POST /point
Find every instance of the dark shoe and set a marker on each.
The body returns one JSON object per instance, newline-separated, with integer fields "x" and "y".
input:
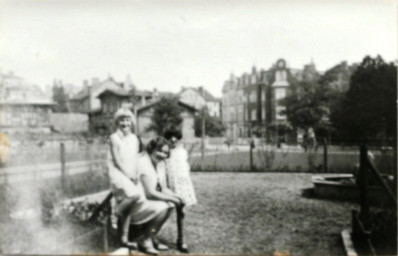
{"x": 159, "y": 246}
{"x": 147, "y": 247}
{"x": 182, "y": 247}
{"x": 130, "y": 245}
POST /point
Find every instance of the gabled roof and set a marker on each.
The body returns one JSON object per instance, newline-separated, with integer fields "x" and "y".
{"x": 119, "y": 92}
{"x": 206, "y": 94}
{"x": 96, "y": 89}
{"x": 14, "y": 90}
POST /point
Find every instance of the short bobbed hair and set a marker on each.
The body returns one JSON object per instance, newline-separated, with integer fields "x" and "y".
{"x": 156, "y": 144}
{"x": 121, "y": 112}
{"x": 173, "y": 133}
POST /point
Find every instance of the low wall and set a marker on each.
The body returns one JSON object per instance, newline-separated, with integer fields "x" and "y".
{"x": 69, "y": 122}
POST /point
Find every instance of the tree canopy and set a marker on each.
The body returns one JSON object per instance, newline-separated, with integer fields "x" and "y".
{"x": 306, "y": 104}
{"x": 60, "y": 98}
{"x": 213, "y": 125}
{"x": 166, "y": 115}
{"x": 369, "y": 107}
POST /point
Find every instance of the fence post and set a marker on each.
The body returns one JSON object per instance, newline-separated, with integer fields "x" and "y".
{"x": 62, "y": 158}
{"x": 363, "y": 185}
{"x": 251, "y": 158}
{"x": 325, "y": 155}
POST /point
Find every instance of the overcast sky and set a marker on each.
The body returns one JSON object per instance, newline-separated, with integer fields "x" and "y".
{"x": 168, "y": 44}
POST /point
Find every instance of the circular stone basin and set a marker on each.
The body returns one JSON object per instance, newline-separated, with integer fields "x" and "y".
{"x": 344, "y": 187}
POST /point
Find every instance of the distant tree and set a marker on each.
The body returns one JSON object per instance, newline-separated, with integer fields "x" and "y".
{"x": 306, "y": 104}
{"x": 213, "y": 125}
{"x": 60, "y": 98}
{"x": 369, "y": 107}
{"x": 166, "y": 115}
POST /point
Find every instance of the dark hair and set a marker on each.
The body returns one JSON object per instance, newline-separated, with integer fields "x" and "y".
{"x": 173, "y": 133}
{"x": 156, "y": 144}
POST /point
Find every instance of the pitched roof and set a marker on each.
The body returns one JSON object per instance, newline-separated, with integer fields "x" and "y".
{"x": 206, "y": 94}
{"x": 119, "y": 92}
{"x": 84, "y": 93}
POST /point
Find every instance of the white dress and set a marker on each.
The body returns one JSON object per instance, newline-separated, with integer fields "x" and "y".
{"x": 121, "y": 185}
{"x": 179, "y": 176}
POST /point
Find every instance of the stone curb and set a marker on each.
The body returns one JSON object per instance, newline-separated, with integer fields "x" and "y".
{"x": 348, "y": 244}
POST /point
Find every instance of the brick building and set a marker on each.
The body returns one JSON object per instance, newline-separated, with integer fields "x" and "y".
{"x": 251, "y": 103}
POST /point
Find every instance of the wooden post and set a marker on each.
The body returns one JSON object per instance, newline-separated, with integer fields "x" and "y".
{"x": 363, "y": 185}
{"x": 325, "y": 155}
{"x": 106, "y": 237}
{"x": 251, "y": 155}
{"x": 203, "y": 133}
{"x": 63, "y": 174}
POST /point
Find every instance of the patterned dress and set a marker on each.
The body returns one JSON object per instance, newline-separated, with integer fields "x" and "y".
{"x": 178, "y": 175}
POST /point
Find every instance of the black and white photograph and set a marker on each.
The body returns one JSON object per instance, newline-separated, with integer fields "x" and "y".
{"x": 198, "y": 127}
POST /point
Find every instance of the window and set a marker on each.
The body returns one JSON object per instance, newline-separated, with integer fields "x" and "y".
{"x": 253, "y": 96}
{"x": 281, "y": 75}
{"x": 280, "y": 116}
{"x": 253, "y": 117}
{"x": 280, "y": 93}
{"x": 253, "y": 77}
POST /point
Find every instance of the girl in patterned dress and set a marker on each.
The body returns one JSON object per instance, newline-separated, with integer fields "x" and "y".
{"x": 179, "y": 180}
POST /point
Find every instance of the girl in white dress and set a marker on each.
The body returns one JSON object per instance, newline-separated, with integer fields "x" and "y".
{"x": 122, "y": 157}
{"x": 179, "y": 180}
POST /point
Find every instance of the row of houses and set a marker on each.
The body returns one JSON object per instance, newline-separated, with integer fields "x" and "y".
{"x": 100, "y": 100}
{"x": 251, "y": 103}
{"x": 26, "y": 110}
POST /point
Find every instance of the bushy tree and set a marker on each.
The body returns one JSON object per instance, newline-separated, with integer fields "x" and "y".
{"x": 60, "y": 98}
{"x": 166, "y": 115}
{"x": 369, "y": 107}
{"x": 213, "y": 125}
{"x": 306, "y": 104}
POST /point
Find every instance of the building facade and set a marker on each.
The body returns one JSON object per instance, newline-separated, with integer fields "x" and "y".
{"x": 142, "y": 104}
{"x": 24, "y": 109}
{"x": 252, "y": 103}
{"x": 200, "y": 97}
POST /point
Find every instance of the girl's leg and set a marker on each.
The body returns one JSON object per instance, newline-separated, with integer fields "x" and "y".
{"x": 156, "y": 223}
{"x": 180, "y": 230}
{"x": 123, "y": 205}
{"x": 151, "y": 229}
{"x": 126, "y": 218}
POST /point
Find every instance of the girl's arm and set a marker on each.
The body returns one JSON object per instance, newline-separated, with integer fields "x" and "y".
{"x": 116, "y": 156}
{"x": 152, "y": 193}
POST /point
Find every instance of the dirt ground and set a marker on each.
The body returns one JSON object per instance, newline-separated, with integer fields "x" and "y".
{"x": 252, "y": 213}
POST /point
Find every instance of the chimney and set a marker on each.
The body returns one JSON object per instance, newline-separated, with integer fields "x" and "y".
{"x": 85, "y": 84}
{"x": 89, "y": 98}
{"x": 155, "y": 94}
{"x": 200, "y": 89}
{"x": 94, "y": 80}
{"x": 254, "y": 70}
